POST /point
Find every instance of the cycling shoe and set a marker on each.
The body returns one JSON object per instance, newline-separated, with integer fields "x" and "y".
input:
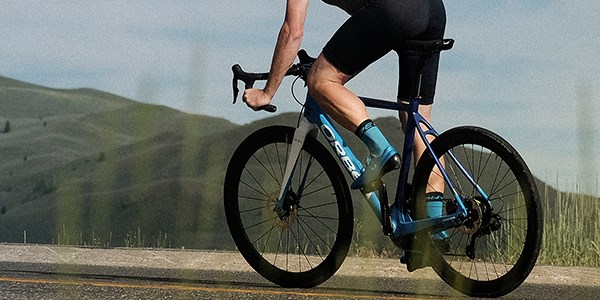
{"x": 376, "y": 167}
{"x": 417, "y": 259}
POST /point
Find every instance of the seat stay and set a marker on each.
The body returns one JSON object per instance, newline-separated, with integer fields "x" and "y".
{"x": 429, "y": 130}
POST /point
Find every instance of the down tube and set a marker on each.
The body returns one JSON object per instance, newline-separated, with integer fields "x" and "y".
{"x": 352, "y": 165}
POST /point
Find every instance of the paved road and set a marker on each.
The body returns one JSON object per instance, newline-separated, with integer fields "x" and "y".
{"x": 53, "y": 272}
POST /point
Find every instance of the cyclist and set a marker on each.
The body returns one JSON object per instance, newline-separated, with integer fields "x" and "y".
{"x": 375, "y": 27}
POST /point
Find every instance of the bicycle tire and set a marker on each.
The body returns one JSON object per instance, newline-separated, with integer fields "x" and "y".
{"x": 309, "y": 245}
{"x": 492, "y": 253}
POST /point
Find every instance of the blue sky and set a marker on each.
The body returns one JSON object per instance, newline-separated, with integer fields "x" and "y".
{"x": 517, "y": 66}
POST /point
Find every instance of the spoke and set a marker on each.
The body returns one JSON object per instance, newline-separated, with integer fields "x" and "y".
{"x": 263, "y": 192}
{"x": 319, "y": 217}
{"x": 319, "y": 220}
{"x": 298, "y": 226}
{"x": 495, "y": 191}
{"x": 485, "y": 166}
{"x": 311, "y": 181}
{"x": 265, "y": 233}
{"x": 266, "y": 243}
{"x": 252, "y": 198}
{"x": 494, "y": 187}
{"x": 512, "y": 209}
{"x": 260, "y": 223}
{"x": 264, "y": 168}
{"x": 318, "y": 206}
{"x": 271, "y": 165}
{"x": 253, "y": 209}
{"x": 501, "y": 197}
{"x": 498, "y": 239}
{"x": 318, "y": 235}
{"x": 318, "y": 190}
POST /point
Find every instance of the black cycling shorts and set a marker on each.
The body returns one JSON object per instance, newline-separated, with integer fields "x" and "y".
{"x": 383, "y": 25}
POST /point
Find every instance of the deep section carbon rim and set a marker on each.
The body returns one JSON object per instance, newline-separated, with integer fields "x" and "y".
{"x": 301, "y": 245}
{"x": 495, "y": 249}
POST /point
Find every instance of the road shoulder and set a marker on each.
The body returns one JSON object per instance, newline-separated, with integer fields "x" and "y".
{"x": 185, "y": 259}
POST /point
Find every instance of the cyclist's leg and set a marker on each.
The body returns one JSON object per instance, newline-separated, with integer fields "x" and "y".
{"x": 406, "y": 82}
{"x": 435, "y": 187}
{"x": 436, "y": 184}
{"x": 408, "y": 69}
{"x": 369, "y": 34}
{"x": 326, "y": 85}
{"x": 348, "y": 52}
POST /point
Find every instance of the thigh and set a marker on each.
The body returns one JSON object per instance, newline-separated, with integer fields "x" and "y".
{"x": 375, "y": 30}
{"x": 357, "y": 43}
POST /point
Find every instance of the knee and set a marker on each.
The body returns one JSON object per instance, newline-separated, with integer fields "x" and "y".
{"x": 314, "y": 82}
{"x": 321, "y": 77}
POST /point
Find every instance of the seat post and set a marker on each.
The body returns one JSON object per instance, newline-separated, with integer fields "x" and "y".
{"x": 418, "y": 79}
{"x": 424, "y": 49}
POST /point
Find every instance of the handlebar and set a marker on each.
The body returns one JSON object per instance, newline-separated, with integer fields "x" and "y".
{"x": 299, "y": 69}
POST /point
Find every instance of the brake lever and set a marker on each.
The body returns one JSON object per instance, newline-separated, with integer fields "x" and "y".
{"x": 239, "y": 74}
{"x": 249, "y": 79}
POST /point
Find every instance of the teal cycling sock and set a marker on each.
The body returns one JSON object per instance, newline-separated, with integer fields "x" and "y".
{"x": 434, "y": 205}
{"x": 368, "y": 132}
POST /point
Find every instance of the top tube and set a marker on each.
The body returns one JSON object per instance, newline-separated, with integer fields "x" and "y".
{"x": 385, "y": 104}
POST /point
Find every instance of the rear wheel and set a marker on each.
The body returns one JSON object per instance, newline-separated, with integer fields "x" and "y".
{"x": 495, "y": 249}
{"x": 306, "y": 243}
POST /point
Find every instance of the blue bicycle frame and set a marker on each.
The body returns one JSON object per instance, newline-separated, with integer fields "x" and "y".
{"x": 314, "y": 120}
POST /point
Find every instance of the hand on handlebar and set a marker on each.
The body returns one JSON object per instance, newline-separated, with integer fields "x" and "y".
{"x": 256, "y": 99}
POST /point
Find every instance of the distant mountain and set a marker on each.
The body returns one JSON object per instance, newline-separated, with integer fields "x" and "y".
{"x": 92, "y": 167}
{"x": 88, "y": 167}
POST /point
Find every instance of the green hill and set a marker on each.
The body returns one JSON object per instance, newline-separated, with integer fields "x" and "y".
{"x": 93, "y": 167}
{"x": 88, "y": 167}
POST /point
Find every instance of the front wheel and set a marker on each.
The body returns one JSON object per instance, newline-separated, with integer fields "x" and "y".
{"x": 496, "y": 247}
{"x": 306, "y": 243}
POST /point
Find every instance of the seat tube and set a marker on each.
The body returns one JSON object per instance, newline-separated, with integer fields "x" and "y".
{"x": 407, "y": 154}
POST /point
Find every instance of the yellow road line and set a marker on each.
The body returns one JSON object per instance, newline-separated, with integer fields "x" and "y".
{"x": 196, "y": 288}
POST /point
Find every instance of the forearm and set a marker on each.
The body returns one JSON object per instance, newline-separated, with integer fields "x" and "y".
{"x": 288, "y": 44}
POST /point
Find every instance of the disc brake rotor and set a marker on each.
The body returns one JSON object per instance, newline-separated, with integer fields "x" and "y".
{"x": 289, "y": 215}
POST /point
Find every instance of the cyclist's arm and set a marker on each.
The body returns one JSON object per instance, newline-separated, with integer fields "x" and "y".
{"x": 288, "y": 44}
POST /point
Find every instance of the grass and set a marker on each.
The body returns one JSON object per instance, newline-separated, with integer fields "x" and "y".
{"x": 571, "y": 234}
{"x": 133, "y": 239}
{"x": 571, "y": 231}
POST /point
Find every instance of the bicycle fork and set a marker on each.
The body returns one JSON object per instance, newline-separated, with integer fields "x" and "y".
{"x": 302, "y": 131}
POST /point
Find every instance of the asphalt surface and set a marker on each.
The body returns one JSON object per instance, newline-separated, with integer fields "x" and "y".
{"x": 56, "y": 272}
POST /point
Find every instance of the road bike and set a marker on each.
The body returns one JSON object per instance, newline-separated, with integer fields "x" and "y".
{"x": 290, "y": 212}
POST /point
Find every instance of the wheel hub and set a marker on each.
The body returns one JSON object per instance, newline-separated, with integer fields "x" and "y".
{"x": 288, "y": 215}
{"x": 479, "y": 215}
